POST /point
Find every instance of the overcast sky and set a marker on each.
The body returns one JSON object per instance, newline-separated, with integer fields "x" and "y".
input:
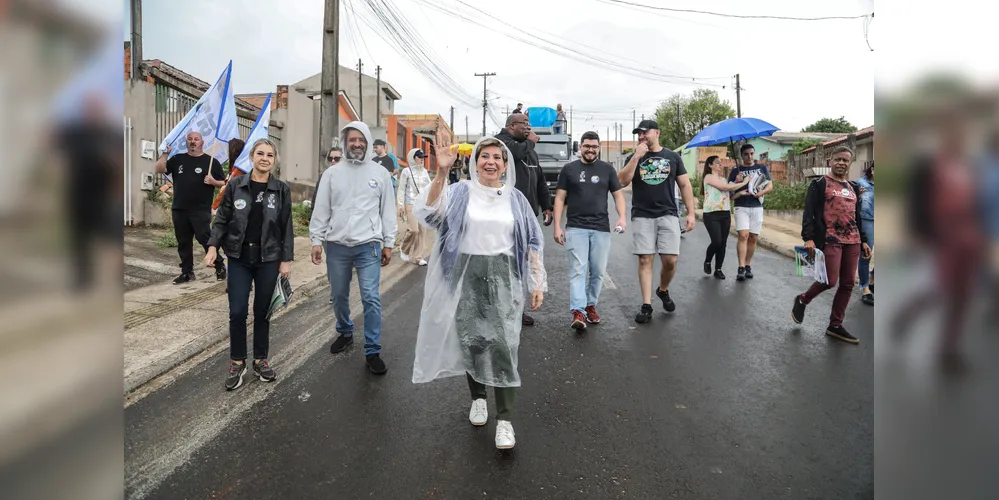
{"x": 787, "y": 67}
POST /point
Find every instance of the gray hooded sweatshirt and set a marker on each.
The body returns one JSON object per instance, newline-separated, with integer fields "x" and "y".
{"x": 355, "y": 202}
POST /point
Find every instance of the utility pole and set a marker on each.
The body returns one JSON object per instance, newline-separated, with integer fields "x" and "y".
{"x": 570, "y": 122}
{"x": 606, "y": 154}
{"x": 466, "y": 128}
{"x": 136, "y": 39}
{"x": 485, "y": 102}
{"x": 330, "y": 86}
{"x": 378, "y": 96}
{"x": 451, "y": 123}
{"x": 738, "y": 97}
{"x": 360, "y": 89}
{"x": 633, "y": 136}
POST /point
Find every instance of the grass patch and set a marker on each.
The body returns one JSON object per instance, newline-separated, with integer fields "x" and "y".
{"x": 168, "y": 240}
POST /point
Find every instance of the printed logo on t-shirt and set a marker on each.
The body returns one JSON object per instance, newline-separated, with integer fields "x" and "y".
{"x": 655, "y": 170}
{"x": 845, "y": 193}
{"x": 239, "y": 204}
{"x": 260, "y": 197}
{"x": 180, "y": 169}
{"x": 582, "y": 176}
{"x": 270, "y": 200}
{"x": 595, "y": 179}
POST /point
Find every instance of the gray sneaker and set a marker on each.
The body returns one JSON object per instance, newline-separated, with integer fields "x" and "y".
{"x": 262, "y": 369}
{"x": 235, "y": 377}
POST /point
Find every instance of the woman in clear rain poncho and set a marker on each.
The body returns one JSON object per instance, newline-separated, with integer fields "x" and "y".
{"x": 488, "y": 253}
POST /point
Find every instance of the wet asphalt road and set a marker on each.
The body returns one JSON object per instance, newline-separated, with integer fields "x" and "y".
{"x": 725, "y": 398}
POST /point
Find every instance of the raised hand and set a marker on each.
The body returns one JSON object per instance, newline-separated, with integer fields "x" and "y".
{"x": 445, "y": 155}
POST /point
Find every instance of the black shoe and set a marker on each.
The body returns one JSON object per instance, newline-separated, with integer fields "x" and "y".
{"x": 742, "y": 274}
{"x": 220, "y": 272}
{"x": 645, "y": 315}
{"x": 868, "y": 299}
{"x": 527, "y": 320}
{"x": 668, "y": 303}
{"x": 707, "y": 267}
{"x": 235, "y": 377}
{"x": 263, "y": 370}
{"x": 840, "y": 333}
{"x": 749, "y": 273}
{"x": 184, "y": 278}
{"x": 719, "y": 274}
{"x": 340, "y": 344}
{"x": 375, "y": 364}
{"x": 872, "y": 288}
{"x": 798, "y": 311}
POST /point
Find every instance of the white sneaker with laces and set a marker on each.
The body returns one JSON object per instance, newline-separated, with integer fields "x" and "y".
{"x": 422, "y": 262}
{"x": 479, "y": 414}
{"x": 505, "y": 439}
{"x": 403, "y": 256}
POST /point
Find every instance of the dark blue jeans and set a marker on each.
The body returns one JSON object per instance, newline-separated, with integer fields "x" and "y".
{"x": 864, "y": 267}
{"x": 243, "y": 272}
{"x": 366, "y": 259}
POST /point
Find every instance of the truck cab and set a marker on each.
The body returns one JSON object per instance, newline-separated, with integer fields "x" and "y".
{"x": 554, "y": 151}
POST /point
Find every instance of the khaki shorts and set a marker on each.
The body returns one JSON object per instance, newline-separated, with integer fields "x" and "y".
{"x": 656, "y": 236}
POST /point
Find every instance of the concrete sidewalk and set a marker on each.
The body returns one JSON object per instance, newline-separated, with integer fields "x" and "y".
{"x": 167, "y": 324}
{"x": 778, "y": 235}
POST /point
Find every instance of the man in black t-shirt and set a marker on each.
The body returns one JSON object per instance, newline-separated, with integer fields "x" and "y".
{"x": 195, "y": 176}
{"x": 749, "y": 208}
{"x": 655, "y": 221}
{"x": 582, "y": 189}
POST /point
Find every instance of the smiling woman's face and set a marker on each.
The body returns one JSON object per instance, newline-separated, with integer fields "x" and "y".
{"x": 490, "y": 166}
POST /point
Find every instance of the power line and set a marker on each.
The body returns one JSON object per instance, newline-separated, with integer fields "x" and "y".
{"x": 564, "y": 51}
{"x": 735, "y": 16}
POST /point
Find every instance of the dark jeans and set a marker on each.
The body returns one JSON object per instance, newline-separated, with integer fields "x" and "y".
{"x": 189, "y": 225}
{"x": 864, "y": 271}
{"x": 243, "y": 272}
{"x": 718, "y": 225}
{"x": 504, "y": 397}
{"x": 841, "y": 265}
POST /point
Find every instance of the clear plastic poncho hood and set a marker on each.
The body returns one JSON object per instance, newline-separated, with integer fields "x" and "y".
{"x": 472, "y": 304}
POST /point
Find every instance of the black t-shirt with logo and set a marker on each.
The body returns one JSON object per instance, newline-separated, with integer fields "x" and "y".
{"x": 189, "y": 189}
{"x": 654, "y": 185}
{"x": 255, "y": 221}
{"x": 385, "y": 161}
{"x": 747, "y": 200}
{"x": 586, "y": 186}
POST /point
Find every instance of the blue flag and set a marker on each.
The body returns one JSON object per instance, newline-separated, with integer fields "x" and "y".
{"x": 214, "y": 116}
{"x": 259, "y": 131}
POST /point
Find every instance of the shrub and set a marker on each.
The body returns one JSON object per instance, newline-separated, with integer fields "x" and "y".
{"x": 787, "y": 196}
{"x": 301, "y": 215}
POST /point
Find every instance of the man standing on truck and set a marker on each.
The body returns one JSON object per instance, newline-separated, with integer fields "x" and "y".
{"x": 655, "y": 221}
{"x": 519, "y": 139}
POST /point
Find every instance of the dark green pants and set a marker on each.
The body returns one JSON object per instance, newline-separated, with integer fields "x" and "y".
{"x": 504, "y": 397}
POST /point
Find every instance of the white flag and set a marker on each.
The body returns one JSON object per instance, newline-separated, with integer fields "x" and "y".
{"x": 214, "y": 116}
{"x": 259, "y": 131}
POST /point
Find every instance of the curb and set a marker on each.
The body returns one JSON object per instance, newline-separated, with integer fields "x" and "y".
{"x": 200, "y": 344}
{"x": 761, "y": 241}
{"x": 206, "y": 342}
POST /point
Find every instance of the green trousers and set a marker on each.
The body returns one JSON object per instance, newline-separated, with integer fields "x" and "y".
{"x": 504, "y": 397}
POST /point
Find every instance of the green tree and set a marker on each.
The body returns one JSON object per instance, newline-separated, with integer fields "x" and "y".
{"x": 831, "y": 126}
{"x": 681, "y": 117}
{"x": 802, "y": 145}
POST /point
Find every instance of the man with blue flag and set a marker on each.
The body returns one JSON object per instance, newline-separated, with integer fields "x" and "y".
{"x": 195, "y": 177}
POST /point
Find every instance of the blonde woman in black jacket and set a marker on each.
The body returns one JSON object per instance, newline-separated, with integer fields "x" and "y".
{"x": 253, "y": 225}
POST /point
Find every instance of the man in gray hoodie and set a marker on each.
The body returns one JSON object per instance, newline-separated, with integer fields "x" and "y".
{"x": 354, "y": 220}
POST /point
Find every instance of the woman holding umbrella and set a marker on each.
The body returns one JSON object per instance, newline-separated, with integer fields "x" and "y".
{"x": 488, "y": 254}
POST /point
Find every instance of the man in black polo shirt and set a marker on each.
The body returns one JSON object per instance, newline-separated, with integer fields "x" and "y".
{"x": 583, "y": 186}
{"x": 195, "y": 177}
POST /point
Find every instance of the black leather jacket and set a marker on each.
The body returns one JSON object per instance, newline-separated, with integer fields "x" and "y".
{"x": 277, "y": 241}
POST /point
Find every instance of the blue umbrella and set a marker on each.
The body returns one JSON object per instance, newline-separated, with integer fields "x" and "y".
{"x": 731, "y": 130}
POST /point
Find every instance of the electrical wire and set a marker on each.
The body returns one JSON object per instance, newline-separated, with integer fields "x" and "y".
{"x": 733, "y": 16}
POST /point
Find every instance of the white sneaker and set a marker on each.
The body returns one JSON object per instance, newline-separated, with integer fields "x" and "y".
{"x": 422, "y": 262}
{"x": 403, "y": 256}
{"x": 504, "y": 435}
{"x": 479, "y": 414}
